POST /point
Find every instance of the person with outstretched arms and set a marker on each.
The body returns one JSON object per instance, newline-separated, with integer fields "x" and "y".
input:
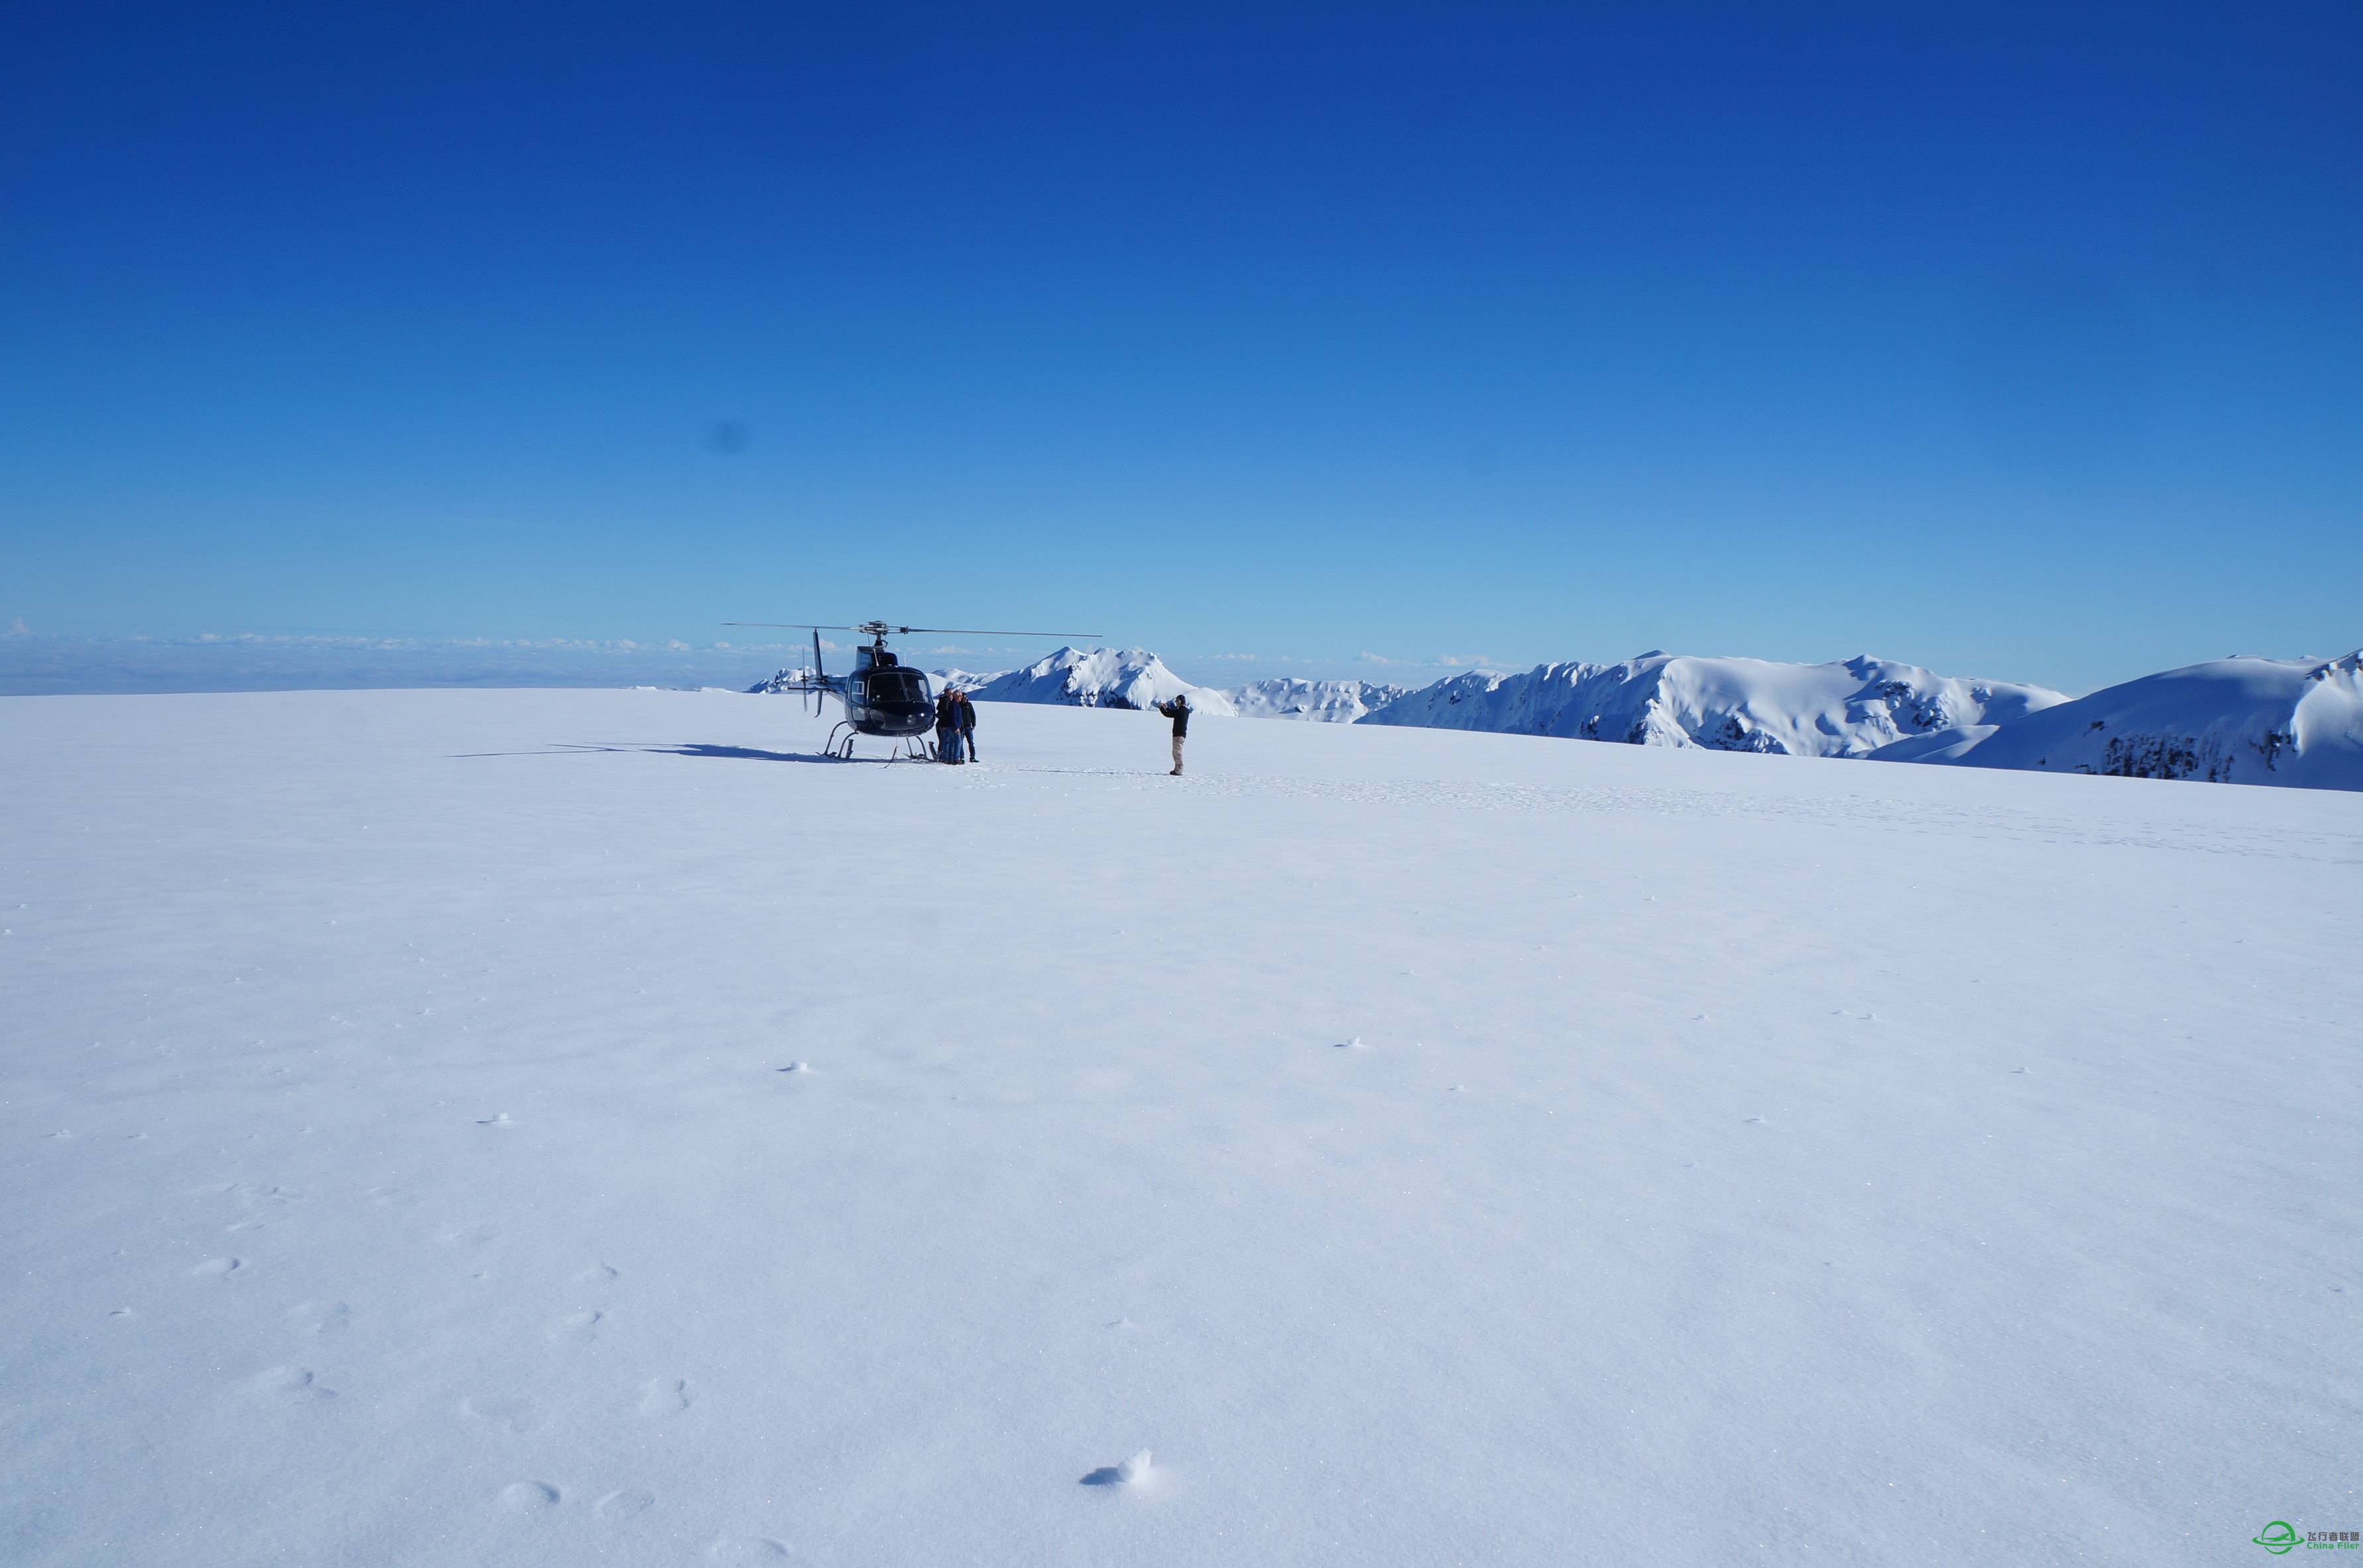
{"x": 1178, "y": 710}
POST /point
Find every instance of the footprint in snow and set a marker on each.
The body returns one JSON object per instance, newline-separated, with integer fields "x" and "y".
{"x": 665, "y": 1397}
{"x": 500, "y": 1119}
{"x": 295, "y": 1385}
{"x": 121, "y": 1314}
{"x": 624, "y": 1505}
{"x": 1353, "y": 1044}
{"x": 575, "y": 1327}
{"x": 738, "y": 1550}
{"x": 599, "y": 1273}
{"x": 1133, "y": 1472}
{"x": 218, "y": 1268}
{"x": 321, "y": 1317}
{"x": 529, "y": 1497}
{"x": 501, "y": 1411}
{"x": 795, "y": 1067}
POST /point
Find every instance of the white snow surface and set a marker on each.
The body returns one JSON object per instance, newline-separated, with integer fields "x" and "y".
{"x": 1850, "y": 708}
{"x": 1936, "y": 746}
{"x": 1325, "y": 701}
{"x": 1101, "y": 677}
{"x": 1745, "y": 1157}
{"x": 2230, "y": 721}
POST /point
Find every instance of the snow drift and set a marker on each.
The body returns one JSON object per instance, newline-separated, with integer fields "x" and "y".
{"x": 1326, "y": 701}
{"x": 2230, "y": 721}
{"x": 1848, "y": 709}
{"x": 1101, "y": 677}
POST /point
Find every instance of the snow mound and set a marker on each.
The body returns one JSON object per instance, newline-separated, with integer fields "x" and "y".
{"x": 1936, "y": 746}
{"x": 2296, "y": 721}
{"x": 1846, "y": 709}
{"x": 1101, "y": 677}
{"x": 1324, "y": 701}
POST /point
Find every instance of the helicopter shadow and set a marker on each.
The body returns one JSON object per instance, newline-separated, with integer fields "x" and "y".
{"x": 735, "y": 753}
{"x": 748, "y": 754}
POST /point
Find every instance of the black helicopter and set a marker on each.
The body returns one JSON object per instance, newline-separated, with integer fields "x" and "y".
{"x": 883, "y": 697}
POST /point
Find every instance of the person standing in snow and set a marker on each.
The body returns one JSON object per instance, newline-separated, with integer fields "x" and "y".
{"x": 948, "y": 725}
{"x": 1178, "y": 710}
{"x": 963, "y": 726}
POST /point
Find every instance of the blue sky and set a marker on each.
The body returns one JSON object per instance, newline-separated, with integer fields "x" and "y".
{"x": 2022, "y": 343}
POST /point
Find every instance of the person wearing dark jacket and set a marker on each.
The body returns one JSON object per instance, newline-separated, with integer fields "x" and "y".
{"x": 964, "y": 725}
{"x": 1178, "y": 710}
{"x": 948, "y": 725}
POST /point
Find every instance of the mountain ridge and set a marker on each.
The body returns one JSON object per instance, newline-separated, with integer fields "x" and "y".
{"x": 2243, "y": 719}
{"x": 1844, "y": 708}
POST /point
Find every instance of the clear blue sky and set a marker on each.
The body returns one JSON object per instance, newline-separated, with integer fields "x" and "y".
{"x": 2025, "y": 343}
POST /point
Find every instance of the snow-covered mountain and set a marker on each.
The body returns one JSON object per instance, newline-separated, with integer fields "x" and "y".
{"x": 1327, "y": 701}
{"x": 949, "y": 680}
{"x": 2230, "y": 721}
{"x": 937, "y": 680}
{"x": 1847, "y": 709}
{"x": 780, "y": 683}
{"x": 1101, "y": 677}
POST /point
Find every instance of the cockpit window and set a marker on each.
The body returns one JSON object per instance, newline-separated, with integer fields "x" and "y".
{"x": 898, "y": 688}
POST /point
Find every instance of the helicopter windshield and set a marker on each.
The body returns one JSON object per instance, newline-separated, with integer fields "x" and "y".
{"x": 898, "y": 688}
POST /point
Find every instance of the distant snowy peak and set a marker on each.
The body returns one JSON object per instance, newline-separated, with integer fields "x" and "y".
{"x": 1326, "y": 701}
{"x": 1101, "y": 677}
{"x": 938, "y": 679}
{"x": 949, "y": 680}
{"x": 2230, "y": 721}
{"x": 781, "y": 681}
{"x": 1847, "y": 709}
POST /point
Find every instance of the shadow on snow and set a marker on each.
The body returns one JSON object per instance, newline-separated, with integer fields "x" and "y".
{"x": 736, "y": 753}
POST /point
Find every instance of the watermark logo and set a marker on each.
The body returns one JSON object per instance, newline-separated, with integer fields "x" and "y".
{"x": 2280, "y": 1537}
{"x": 2277, "y": 1537}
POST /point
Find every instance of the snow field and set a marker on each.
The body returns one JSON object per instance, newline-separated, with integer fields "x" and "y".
{"x": 1761, "y": 1156}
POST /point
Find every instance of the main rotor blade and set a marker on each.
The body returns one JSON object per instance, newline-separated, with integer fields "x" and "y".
{"x": 981, "y": 632}
{"x": 789, "y": 626}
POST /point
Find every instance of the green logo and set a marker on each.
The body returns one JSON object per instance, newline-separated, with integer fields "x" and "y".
{"x": 2277, "y": 1536}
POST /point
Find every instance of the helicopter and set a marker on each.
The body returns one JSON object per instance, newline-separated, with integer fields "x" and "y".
{"x": 884, "y": 698}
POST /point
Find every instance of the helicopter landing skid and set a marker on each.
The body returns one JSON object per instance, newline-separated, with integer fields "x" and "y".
{"x": 910, "y": 749}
